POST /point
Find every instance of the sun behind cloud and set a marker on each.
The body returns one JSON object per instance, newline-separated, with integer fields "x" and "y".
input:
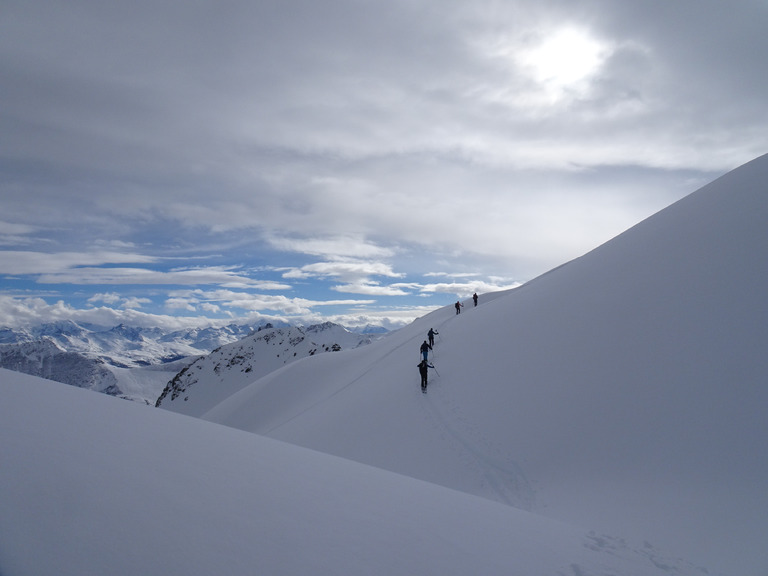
{"x": 543, "y": 67}
{"x": 563, "y": 60}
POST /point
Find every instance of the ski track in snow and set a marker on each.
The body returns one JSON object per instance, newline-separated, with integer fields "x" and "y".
{"x": 502, "y": 475}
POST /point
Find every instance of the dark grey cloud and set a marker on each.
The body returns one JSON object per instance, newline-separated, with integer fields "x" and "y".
{"x": 508, "y": 136}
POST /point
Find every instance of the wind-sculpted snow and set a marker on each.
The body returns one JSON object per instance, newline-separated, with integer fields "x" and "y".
{"x": 624, "y": 390}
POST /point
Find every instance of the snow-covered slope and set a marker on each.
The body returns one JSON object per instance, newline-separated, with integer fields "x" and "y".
{"x": 625, "y": 390}
{"x": 146, "y": 383}
{"x": 212, "y": 378}
{"x": 93, "y": 485}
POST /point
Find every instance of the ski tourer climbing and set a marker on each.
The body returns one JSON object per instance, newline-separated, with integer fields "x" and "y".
{"x": 423, "y": 368}
{"x": 474, "y": 297}
{"x": 458, "y": 307}
{"x": 431, "y": 336}
{"x": 425, "y": 348}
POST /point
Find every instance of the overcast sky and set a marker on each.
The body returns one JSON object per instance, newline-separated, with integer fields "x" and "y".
{"x": 361, "y": 161}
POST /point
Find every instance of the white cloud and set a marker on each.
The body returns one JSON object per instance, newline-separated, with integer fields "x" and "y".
{"x": 221, "y": 275}
{"x": 181, "y": 304}
{"x": 20, "y": 312}
{"x": 228, "y": 299}
{"x": 389, "y": 318}
{"x": 31, "y": 262}
{"x": 353, "y": 246}
{"x": 452, "y": 274}
{"x": 131, "y": 303}
{"x": 347, "y": 269}
{"x": 373, "y": 289}
{"x": 466, "y": 289}
{"x": 106, "y": 298}
{"x": 114, "y": 299}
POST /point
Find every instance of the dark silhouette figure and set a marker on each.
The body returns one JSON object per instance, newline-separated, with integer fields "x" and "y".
{"x": 474, "y": 297}
{"x": 425, "y": 348}
{"x": 431, "y": 335}
{"x": 458, "y": 307}
{"x": 423, "y": 367}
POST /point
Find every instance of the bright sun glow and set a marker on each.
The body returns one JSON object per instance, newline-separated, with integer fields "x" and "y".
{"x": 563, "y": 60}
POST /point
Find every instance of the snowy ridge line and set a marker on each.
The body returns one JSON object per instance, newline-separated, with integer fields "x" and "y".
{"x": 237, "y": 365}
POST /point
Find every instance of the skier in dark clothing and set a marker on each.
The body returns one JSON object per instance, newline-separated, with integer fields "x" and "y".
{"x": 425, "y": 348}
{"x": 423, "y": 366}
{"x": 431, "y": 335}
{"x": 474, "y": 297}
{"x": 458, "y": 307}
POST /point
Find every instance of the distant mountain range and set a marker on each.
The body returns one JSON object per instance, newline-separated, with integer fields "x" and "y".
{"x": 128, "y": 346}
{"x": 45, "y": 358}
{"x": 137, "y": 363}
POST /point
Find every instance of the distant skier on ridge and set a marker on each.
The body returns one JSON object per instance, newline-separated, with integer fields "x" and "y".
{"x": 474, "y": 297}
{"x": 431, "y": 335}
